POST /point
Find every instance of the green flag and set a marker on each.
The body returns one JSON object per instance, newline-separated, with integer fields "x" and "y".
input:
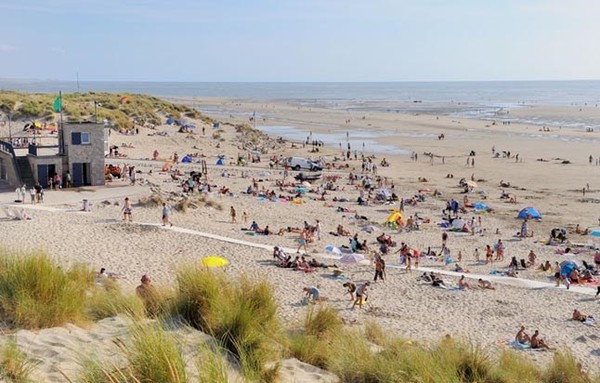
{"x": 58, "y": 104}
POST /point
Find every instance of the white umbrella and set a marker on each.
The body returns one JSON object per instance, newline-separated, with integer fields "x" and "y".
{"x": 306, "y": 184}
{"x": 334, "y": 250}
{"x": 352, "y": 258}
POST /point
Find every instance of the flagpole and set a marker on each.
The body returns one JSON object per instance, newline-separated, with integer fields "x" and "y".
{"x": 61, "y": 143}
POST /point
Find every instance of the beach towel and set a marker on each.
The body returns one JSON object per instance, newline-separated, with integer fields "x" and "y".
{"x": 590, "y": 321}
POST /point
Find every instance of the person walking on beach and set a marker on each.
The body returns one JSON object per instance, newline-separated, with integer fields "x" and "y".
{"x": 303, "y": 241}
{"x": 378, "y": 268}
{"x": 318, "y": 229}
{"x": 127, "y": 216}
{"x": 166, "y": 215}
{"x": 232, "y": 214}
{"x": 245, "y": 218}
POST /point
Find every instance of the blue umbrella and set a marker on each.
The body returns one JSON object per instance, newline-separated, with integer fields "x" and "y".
{"x": 333, "y": 249}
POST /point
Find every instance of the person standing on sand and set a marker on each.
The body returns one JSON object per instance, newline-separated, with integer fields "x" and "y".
{"x": 232, "y": 214}
{"x": 378, "y": 268}
{"x": 318, "y": 229}
{"x": 499, "y": 250}
{"x": 245, "y": 218}
{"x": 127, "y": 216}
{"x": 303, "y": 241}
{"x": 166, "y": 215}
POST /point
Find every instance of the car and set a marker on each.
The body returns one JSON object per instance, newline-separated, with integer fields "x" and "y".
{"x": 299, "y": 163}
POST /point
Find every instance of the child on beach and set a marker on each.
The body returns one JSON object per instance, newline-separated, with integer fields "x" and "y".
{"x": 166, "y": 214}
{"x": 127, "y": 216}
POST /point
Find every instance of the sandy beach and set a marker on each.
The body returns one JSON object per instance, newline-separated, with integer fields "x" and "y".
{"x": 550, "y": 174}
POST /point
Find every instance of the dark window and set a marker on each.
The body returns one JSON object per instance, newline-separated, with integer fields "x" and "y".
{"x": 76, "y": 138}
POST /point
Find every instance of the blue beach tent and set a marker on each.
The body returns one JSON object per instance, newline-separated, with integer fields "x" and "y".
{"x": 529, "y": 212}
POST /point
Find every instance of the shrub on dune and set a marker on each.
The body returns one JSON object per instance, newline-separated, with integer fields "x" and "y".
{"x": 34, "y": 293}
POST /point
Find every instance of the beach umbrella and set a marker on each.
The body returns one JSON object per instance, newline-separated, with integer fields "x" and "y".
{"x": 306, "y": 184}
{"x": 214, "y": 261}
{"x": 301, "y": 190}
{"x": 595, "y": 232}
{"x": 334, "y": 250}
{"x": 480, "y": 206}
{"x": 458, "y": 223}
{"x": 529, "y": 212}
{"x": 352, "y": 258}
{"x": 472, "y": 184}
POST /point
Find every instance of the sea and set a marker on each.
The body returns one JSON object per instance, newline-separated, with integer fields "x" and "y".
{"x": 486, "y": 100}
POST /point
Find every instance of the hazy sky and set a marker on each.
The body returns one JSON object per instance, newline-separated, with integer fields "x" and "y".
{"x": 300, "y": 40}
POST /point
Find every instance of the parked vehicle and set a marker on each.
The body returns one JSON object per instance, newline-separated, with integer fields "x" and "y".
{"x": 299, "y": 163}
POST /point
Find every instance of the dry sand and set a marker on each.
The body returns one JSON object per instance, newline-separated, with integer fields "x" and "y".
{"x": 401, "y": 305}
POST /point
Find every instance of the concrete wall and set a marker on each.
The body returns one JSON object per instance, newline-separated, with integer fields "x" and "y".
{"x": 34, "y": 161}
{"x": 92, "y": 153}
{"x": 6, "y": 162}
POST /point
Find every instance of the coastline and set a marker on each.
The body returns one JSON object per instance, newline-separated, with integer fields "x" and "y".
{"x": 407, "y": 308}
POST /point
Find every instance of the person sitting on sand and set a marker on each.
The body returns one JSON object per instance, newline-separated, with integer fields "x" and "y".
{"x": 537, "y": 342}
{"x": 547, "y": 266}
{"x": 579, "y": 316}
{"x": 351, "y": 288}
{"x": 147, "y": 293}
{"x": 459, "y": 269}
{"x": 485, "y": 284}
{"x": 278, "y": 254}
{"x": 522, "y": 337}
{"x": 436, "y": 280}
{"x": 531, "y": 258}
{"x": 462, "y": 283}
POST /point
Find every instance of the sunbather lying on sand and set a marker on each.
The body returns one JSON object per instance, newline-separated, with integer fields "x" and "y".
{"x": 485, "y": 284}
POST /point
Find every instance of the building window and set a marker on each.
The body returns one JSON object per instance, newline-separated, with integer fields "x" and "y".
{"x": 80, "y": 138}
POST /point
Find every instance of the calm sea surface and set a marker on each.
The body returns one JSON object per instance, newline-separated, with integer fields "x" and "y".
{"x": 482, "y": 100}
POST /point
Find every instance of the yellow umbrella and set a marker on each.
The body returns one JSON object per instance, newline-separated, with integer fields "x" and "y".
{"x": 214, "y": 261}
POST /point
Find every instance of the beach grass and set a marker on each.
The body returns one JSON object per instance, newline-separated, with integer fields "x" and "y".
{"x": 212, "y": 364}
{"x": 241, "y": 317}
{"x": 121, "y": 109}
{"x": 15, "y": 365}
{"x": 35, "y": 293}
{"x": 107, "y": 300}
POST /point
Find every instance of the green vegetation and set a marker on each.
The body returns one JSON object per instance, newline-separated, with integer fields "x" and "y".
{"x": 34, "y": 293}
{"x": 122, "y": 109}
{"x": 15, "y": 366}
{"x": 241, "y": 317}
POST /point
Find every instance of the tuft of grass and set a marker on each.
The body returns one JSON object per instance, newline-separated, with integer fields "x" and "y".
{"x": 564, "y": 369}
{"x": 198, "y": 296}
{"x": 34, "y": 293}
{"x": 107, "y": 301}
{"x": 322, "y": 322}
{"x": 15, "y": 366}
{"x": 242, "y": 317}
{"x": 513, "y": 368}
{"x": 212, "y": 364}
{"x": 155, "y": 356}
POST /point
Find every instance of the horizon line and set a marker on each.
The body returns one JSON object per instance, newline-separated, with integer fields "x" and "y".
{"x": 4, "y": 79}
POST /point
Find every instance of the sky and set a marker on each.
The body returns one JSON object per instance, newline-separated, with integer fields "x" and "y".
{"x": 300, "y": 40}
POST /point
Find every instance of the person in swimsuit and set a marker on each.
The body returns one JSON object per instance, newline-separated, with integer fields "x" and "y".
{"x": 127, "y": 216}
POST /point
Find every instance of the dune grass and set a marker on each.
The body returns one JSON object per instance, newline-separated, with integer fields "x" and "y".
{"x": 107, "y": 300}
{"x": 15, "y": 366}
{"x": 34, "y": 293}
{"x": 241, "y": 317}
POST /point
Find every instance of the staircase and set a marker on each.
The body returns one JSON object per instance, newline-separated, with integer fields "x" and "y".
{"x": 25, "y": 170}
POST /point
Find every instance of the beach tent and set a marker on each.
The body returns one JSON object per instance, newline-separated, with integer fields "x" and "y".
{"x": 480, "y": 206}
{"x": 595, "y": 232}
{"x": 221, "y": 161}
{"x": 171, "y": 121}
{"x": 186, "y": 159}
{"x": 566, "y": 267}
{"x": 529, "y": 212}
{"x": 333, "y": 249}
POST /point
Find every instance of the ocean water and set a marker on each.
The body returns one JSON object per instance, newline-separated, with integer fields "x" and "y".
{"x": 479, "y": 100}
